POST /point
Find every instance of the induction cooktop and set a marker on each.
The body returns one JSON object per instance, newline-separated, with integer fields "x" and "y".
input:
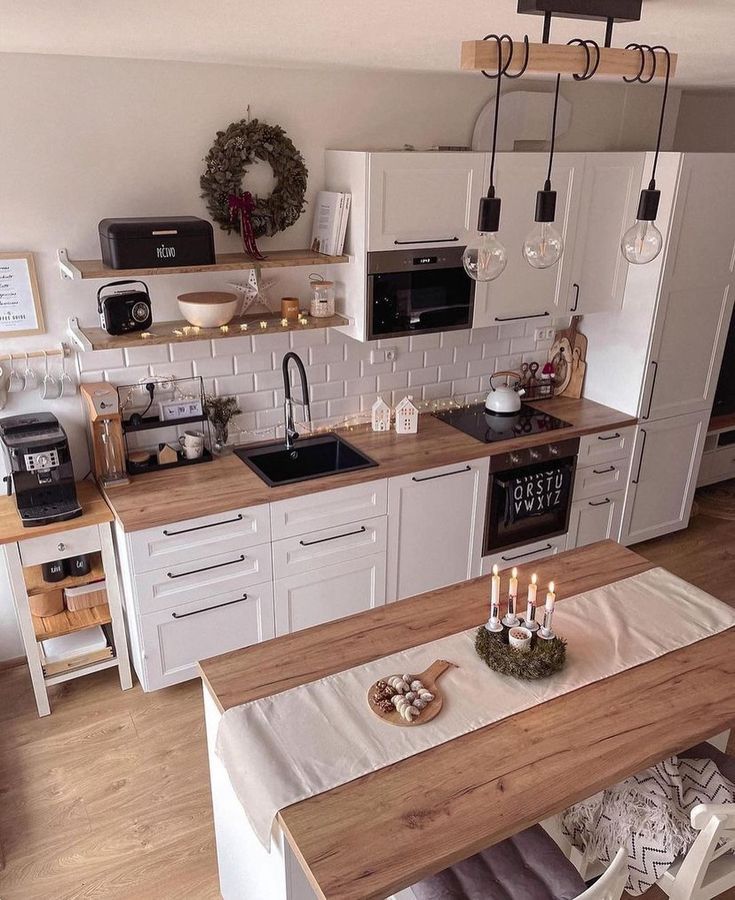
{"x": 490, "y": 427}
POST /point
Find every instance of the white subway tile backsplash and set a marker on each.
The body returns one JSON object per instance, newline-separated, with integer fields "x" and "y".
{"x": 465, "y": 386}
{"x": 254, "y": 362}
{"x": 424, "y": 341}
{"x": 327, "y": 353}
{"x": 265, "y": 381}
{"x": 522, "y": 344}
{"x": 268, "y": 418}
{"x": 329, "y": 391}
{"x": 319, "y": 411}
{"x": 91, "y": 375}
{"x": 496, "y": 348}
{"x": 400, "y": 344}
{"x": 439, "y": 356}
{"x": 344, "y": 370}
{"x": 174, "y": 369}
{"x": 127, "y": 375}
{"x": 101, "y": 359}
{"x": 234, "y": 345}
{"x": 356, "y": 387}
{"x": 423, "y": 376}
{"x": 406, "y": 362}
{"x": 381, "y": 368}
{"x": 234, "y": 384}
{"x": 481, "y": 367}
{"x": 440, "y": 391}
{"x": 192, "y": 350}
{"x": 484, "y": 335}
{"x": 346, "y": 406}
{"x": 146, "y": 355}
{"x": 392, "y": 382}
{"x": 450, "y": 373}
{"x": 465, "y": 354}
{"x": 213, "y": 366}
{"x": 455, "y": 338}
{"x": 512, "y": 329}
{"x": 310, "y": 337}
{"x": 278, "y": 343}
{"x": 254, "y": 402}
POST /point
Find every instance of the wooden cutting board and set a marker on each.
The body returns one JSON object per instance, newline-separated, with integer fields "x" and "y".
{"x": 573, "y": 376}
{"x": 428, "y": 678}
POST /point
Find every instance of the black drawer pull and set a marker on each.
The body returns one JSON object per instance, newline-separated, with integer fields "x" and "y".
{"x": 231, "y": 562}
{"x": 237, "y": 518}
{"x": 195, "y": 612}
{"x": 600, "y": 502}
{"x": 530, "y": 553}
{"x": 640, "y": 461}
{"x": 610, "y": 437}
{"x": 516, "y": 318}
{"x": 334, "y": 537}
{"x": 442, "y": 474}
{"x": 429, "y": 241}
{"x": 653, "y": 388}
{"x": 603, "y": 471}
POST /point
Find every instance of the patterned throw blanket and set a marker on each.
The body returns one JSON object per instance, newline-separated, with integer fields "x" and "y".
{"x": 649, "y": 815}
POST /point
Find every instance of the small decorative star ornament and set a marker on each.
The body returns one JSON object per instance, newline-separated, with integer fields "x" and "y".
{"x": 255, "y": 293}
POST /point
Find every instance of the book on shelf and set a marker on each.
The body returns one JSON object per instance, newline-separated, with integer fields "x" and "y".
{"x": 331, "y": 212}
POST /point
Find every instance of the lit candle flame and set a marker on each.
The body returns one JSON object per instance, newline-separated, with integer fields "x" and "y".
{"x": 495, "y": 569}
{"x": 551, "y": 587}
{"x": 534, "y": 578}
{"x": 514, "y": 572}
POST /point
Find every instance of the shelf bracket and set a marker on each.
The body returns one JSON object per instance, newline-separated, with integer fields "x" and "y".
{"x": 67, "y": 269}
{"x": 78, "y": 339}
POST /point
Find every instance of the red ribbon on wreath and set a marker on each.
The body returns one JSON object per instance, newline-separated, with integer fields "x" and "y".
{"x": 242, "y": 206}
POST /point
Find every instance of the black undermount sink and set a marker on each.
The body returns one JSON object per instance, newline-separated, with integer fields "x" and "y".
{"x": 311, "y": 457}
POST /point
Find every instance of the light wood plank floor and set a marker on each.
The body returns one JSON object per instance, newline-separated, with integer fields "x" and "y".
{"x": 109, "y": 796}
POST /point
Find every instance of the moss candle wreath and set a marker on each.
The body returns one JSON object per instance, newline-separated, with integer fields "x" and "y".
{"x": 544, "y": 659}
{"x": 236, "y": 149}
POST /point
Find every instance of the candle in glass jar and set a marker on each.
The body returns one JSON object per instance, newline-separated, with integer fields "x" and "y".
{"x": 494, "y": 621}
{"x": 531, "y": 605}
{"x": 511, "y": 619}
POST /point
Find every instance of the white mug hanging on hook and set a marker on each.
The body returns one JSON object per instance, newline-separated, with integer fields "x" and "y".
{"x": 16, "y": 379}
{"x": 30, "y": 376}
{"x": 50, "y": 387}
{"x": 322, "y": 297}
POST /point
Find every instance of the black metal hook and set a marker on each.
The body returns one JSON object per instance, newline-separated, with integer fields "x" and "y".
{"x": 501, "y": 40}
{"x": 643, "y": 49}
{"x": 590, "y": 67}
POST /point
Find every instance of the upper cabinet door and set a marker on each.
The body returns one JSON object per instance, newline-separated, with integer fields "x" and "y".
{"x": 607, "y": 208}
{"x": 417, "y": 200}
{"x": 522, "y": 291}
{"x": 696, "y": 298}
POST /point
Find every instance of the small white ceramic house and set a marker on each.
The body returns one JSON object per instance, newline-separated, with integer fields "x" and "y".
{"x": 381, "y": 415}
{"x": 407, "y": 417}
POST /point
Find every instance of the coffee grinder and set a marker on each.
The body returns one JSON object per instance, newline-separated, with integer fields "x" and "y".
{"x": 105, "y": 432}
{"x": 41, "y": 472}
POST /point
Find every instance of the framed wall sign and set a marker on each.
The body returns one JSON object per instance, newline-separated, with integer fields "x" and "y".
{"x": 20, "y": 302}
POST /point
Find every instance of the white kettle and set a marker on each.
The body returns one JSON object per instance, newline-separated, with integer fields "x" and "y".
{"x": 505, "y": 400}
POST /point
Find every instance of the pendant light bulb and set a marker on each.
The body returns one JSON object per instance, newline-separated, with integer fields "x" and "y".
{"x": 485, "y": 258}
{"x": 642, "y": 242}
{"x": 543, "y": 247}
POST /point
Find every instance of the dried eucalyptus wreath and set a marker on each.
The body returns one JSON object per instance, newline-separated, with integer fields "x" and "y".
{"x": 233, "y": 151}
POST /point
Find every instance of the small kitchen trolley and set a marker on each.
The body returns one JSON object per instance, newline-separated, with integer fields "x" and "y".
{"x": 26, "y": 549}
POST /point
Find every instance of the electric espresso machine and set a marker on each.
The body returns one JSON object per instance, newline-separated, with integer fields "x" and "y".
{"x": 41, "y": 472}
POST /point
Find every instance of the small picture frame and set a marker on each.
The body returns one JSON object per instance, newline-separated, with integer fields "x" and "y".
{"x": 20, "y": 301}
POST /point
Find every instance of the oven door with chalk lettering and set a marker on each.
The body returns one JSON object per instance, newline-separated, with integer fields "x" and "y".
{"x": 529, "y": 503}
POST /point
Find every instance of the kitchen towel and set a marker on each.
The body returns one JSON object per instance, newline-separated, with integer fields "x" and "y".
{"x": 307, "y": 740}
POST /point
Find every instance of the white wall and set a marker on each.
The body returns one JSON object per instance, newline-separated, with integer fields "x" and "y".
{"x": 86, "y": 138}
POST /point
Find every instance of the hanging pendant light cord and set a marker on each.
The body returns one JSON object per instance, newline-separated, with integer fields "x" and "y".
{"x": 643, "y": 49}
{"x": 547, "y": 186}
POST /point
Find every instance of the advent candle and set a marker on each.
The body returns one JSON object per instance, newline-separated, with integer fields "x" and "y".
{"x": 546, "y": 631}
{"x": 511, "y": 619}
{"x": 494, "y": 620}
{"x": 531, "y": 605}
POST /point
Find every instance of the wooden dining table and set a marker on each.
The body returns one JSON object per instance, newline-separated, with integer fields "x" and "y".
{"x": 382, "y": 832}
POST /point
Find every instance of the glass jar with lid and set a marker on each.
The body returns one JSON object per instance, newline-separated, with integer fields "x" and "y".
{"x": 322, "y": 297}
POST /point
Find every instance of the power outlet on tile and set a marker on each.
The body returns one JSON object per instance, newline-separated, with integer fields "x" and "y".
{"x": 391, "y": 354}
{"x": 544, "y": 334}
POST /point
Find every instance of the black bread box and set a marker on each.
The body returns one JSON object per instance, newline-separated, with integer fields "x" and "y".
{"x": 156, "y": 243}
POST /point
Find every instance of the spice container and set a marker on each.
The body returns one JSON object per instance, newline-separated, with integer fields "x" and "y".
{"x": 322, "y": 297}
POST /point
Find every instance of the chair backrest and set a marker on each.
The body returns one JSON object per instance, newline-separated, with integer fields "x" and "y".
{"x": 708, "y": 869}
{"x": 611, "y": 884}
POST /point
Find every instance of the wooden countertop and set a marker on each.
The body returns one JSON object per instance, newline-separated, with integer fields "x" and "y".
{"x": 227, "y": 483}
{"x": 476, "y": 790}
{"x": 94, "y": 512}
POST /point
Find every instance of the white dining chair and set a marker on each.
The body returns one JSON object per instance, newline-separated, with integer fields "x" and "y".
{"x": 708, "y": 868}
{"x": 611, "y": 884}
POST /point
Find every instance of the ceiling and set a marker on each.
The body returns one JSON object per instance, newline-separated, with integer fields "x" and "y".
{"x": 419, "y": 35}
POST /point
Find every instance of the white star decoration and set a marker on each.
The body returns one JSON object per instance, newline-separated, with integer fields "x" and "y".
{"x": 255, "y": 291}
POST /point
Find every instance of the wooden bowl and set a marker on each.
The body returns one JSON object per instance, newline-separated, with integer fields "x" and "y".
{"x": 208, "y": 309}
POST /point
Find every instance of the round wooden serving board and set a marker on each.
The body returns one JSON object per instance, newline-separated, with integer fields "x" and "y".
{"x": 428, "y": 678}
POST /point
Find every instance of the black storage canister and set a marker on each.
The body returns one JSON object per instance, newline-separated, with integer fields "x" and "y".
{"x": 156, "y": 243}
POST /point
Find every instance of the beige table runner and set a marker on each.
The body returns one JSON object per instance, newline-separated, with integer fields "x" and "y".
{"x": 312, "y": 738}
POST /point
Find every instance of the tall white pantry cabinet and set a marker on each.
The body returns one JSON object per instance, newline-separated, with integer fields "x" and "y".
{"x": 659, "y": 358}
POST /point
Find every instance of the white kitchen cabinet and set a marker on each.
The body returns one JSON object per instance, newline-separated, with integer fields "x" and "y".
{"x": 295, "y": 555}
{"x": 174, "y": 640}
{"x": 436, "y": 520}
{"x": 423, "y": 199}
{"x": 329, "y": 592}
{"x": 609, "y": 201}
{"x": 604, "y": 478}
{"x": 328, "y": 509}
{"x": 663, "y": 478}
{"x": 522, "y": 291}
{"x": 597, "y": 449}
{"x": 595, "y": 519}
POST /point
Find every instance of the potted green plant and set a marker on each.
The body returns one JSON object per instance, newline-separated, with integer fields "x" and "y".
{"x": 219, "y": 411}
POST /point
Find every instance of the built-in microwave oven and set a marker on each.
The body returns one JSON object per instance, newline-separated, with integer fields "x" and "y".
{"x": 418, "y": 291}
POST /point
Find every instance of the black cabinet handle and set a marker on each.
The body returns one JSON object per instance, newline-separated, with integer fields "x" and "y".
{"x": 429, "y": 241}
{"x": 640, "y": 461}
{"x": 653, "y": 387}
{"x": 442, "y": 474}
{"x": 576, "y": 297}
{"x": 195, "y": 612}
{"x": 516, "y": 318}
{"x": 334, "y": 537}
{"x": 231, "y": 562}
{"x": 603, "y": 471}
{"x": 610, "y": 437}
{"x": 530, "y": 553}
{"x": 599, "y": 502}
{"x": 238, "y": 518}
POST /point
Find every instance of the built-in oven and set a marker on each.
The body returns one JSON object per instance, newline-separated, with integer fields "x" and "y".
{"x": 530, "y": 494}
{"x": 418, "y": 291}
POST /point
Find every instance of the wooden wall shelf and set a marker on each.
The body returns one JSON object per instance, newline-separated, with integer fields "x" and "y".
{"x": 226, "y": 262}
{"x": 174, "y": 332}
{"x": 68, "y": 622}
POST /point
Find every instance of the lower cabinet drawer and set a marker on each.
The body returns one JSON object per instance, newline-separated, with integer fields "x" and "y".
{"x": 328, "y": 593}
{"x": 717, "y": 466}
{"x": 606, "y": 446}
{"x": 328, "y": 509}
{"x": 34, "y": 551}
{"x": 292, "y": 556}
{"x": 596, "y": 519}
{"x": 174, "y": 640}
{"x": 593, "y": 481}
{"x": 201, "y": 578}
{"x": 538, "y": 550}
